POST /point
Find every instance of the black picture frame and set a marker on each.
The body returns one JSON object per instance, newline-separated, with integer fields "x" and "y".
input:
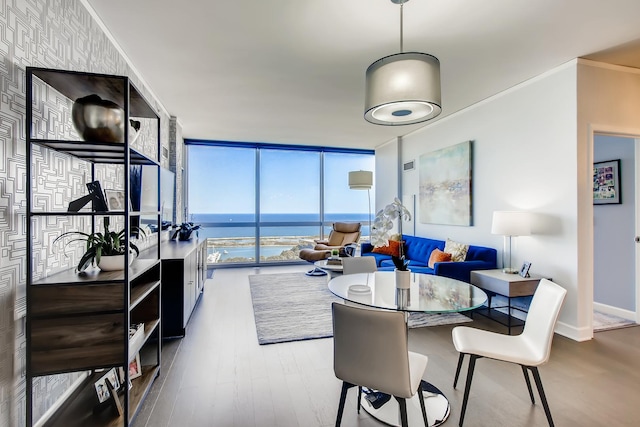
{"x": 524, "y": 270}
{"x": 606, "y": 183}
{"x": 99, "y": 201}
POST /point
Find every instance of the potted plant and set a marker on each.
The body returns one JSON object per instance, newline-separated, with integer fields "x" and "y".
{"x": 381, "y": 232}
{"x": 105, "y": 249}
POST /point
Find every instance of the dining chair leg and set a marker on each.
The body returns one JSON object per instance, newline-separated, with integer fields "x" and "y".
{"x": 460, "y": 359}
{"x": 343, "y": 397}
{"x": 403, "y": 411}
{"x": 526, "y": 378}
{"x": 359, "y": 397}
{"x": 545, "y": 405}
{"x": 467, "y": 387}
{"x": 422, "y": 405}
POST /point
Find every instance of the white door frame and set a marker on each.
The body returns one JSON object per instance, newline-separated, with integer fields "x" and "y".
{"x": 633, "y": 134}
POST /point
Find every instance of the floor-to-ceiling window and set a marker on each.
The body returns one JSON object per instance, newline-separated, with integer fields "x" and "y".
{"x": 259, "y": 203}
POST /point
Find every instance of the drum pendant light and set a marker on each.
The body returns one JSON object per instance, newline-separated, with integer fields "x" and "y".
{"x": 404, "y": 88}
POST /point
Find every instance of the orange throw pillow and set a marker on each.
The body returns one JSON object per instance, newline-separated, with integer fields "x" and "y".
{"x": 438, "y": 256}
{"x": 393, "y": 249}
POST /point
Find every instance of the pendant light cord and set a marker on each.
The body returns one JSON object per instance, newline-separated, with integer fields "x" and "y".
{"x": 401, "y": 25}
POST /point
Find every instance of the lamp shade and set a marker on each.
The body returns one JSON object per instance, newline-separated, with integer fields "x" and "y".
{"x": 511, "y": 223}
{"x": 360, "y": 180}
{"x": 403, "y": 89}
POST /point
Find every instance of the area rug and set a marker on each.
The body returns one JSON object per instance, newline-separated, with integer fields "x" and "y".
{"x": 605, "y": 322}
{"x": 295, "y": 307}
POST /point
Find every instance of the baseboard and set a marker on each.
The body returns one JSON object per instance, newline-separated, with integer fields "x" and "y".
{"x": 571, "y": 332}
{"x": 615, "y": 311}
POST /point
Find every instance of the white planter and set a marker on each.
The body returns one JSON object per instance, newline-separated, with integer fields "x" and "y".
{"x": 403, "y": 279}
{"x": 113, "y": 262}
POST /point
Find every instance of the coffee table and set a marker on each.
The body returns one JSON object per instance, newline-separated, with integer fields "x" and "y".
{"x": 334, "y": 269}
{"x": 427, "y": 294}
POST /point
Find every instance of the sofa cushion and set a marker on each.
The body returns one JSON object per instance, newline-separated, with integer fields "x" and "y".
{"x": 438, "y": 256}
{"x": 392, "y": 248}
{"x": 419, "y": 248}
{"x": 457, "y": 250}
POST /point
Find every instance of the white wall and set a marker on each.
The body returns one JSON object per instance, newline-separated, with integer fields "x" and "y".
{"x": 524, "y": 146}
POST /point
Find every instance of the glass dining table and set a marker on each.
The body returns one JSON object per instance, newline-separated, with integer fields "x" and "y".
{"x": 426, "y": 294}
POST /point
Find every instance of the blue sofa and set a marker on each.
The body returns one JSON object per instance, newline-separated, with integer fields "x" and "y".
{"x": 418, "y": 249}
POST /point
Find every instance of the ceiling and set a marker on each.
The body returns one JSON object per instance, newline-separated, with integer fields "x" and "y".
{"x": 292, "y": 71}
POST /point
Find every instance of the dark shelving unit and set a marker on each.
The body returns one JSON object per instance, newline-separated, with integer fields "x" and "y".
{"x": 80, "y": 322}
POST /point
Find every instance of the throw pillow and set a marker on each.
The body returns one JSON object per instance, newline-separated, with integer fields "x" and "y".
{"x": 392, "y": 249}
{"x": 457, "y": 250}
{"x": 438, "y": 256}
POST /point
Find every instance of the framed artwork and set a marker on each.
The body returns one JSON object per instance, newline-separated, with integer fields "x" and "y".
{"x": 102, "y": 390}
{"x": 524, "y": 270}
{"x": 606, "y": 183}
{"x": 445, "y": 186}
{"x": 115, "y": 200}
{"x": 135, "y": 369}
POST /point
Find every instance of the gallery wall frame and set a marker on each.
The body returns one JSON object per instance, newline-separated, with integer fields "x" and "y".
{"x": 606, "y": 182}
{"x": 445, "y": 193}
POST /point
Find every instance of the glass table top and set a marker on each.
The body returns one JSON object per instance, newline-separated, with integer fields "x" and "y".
{"x": 427, "y": 293}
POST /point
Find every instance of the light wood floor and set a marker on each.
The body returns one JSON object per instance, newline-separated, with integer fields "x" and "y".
{"x": 218, "y": 375}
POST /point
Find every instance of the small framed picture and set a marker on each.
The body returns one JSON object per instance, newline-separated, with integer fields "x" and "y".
{"x": 524, "y": 270}
{"x": 135, "y": 369}
{"x": 102, "y": 391}
{"x": 606, "y": 183}
{"x": 115, "y": 200}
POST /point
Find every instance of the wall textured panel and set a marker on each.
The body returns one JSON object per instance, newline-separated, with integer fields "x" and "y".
{"x": 54, "y": 34}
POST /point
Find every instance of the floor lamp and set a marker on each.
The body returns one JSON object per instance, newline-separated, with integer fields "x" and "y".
{"x": 510, "y": 224}
{"x": 362, "y": 180}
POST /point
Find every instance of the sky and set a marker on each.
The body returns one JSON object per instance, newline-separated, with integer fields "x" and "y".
{"x": 222, "y": 180}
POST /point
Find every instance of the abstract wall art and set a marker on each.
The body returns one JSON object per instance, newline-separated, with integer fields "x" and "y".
{"x": 445, "y": 186}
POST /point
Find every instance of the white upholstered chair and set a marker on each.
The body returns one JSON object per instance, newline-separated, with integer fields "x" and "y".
{"x": 370, "y": 350}
{"x": 530, "y": 349}
{"x": 360, "y": 264}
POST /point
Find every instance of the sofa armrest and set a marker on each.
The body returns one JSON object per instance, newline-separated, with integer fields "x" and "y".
{"x": 461, "y": 270}
{"x": 366, "y": 248}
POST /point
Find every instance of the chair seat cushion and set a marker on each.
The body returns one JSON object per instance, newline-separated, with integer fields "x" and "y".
{"x": 510, "y": 348}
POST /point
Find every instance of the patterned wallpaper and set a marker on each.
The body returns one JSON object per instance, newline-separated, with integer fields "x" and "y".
{"x": 58, "y": 34}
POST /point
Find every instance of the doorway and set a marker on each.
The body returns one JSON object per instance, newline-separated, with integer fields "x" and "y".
{"x": 615, "y": 278}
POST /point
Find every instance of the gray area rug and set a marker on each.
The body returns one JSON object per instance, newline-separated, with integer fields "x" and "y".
{"x": 605, "y": 322}
{"x": 294, "y": 307}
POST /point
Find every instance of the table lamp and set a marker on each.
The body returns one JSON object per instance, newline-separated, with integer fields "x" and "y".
{"x": 510, "y": 224}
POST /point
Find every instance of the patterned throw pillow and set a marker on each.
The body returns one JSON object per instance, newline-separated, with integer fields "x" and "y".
{"x": 438, "y": 256}
{"x": 457, "y": 250}
{"x": 392, "y": 249}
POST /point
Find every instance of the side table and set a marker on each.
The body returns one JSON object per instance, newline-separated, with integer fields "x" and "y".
{"x": 507, "y": 285}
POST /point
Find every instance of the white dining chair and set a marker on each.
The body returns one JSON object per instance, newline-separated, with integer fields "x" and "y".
{"x": 370, "y": 350}
{"x": 530, "y": 349}
{"x": 360, "y": 264}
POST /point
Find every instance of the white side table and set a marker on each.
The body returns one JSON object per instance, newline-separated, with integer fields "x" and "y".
{"x": 507, "y": 285}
